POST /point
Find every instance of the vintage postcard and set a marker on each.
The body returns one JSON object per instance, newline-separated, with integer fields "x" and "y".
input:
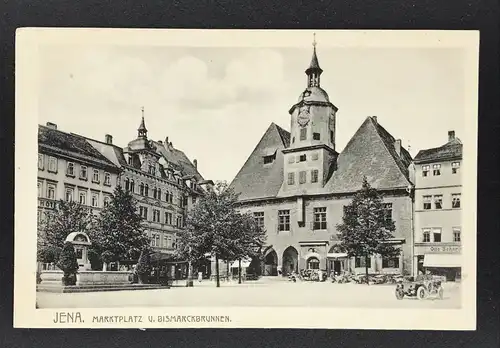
{"x": 246, "y": 179}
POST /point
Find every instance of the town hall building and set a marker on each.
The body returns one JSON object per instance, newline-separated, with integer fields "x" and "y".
{"x": 296, "y": 184}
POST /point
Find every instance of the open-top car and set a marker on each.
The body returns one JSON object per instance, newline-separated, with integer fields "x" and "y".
{"x": 421, "y": 287}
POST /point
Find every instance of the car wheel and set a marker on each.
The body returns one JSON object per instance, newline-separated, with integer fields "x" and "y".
{"x": 441, "y": 292}
{"x": 421, "y": 293}
{"x": 399, "y": 294}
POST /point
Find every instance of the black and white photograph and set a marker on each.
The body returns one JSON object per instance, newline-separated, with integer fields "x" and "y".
{"x": 230, "y": 178}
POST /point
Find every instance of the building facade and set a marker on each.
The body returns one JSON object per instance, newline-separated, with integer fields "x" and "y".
{"x": 70, "y": 169}
{"x": 438, "y": 212}
{"x": 297, "y": 184}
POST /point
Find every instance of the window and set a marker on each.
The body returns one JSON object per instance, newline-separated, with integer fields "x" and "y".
{"x": 168, "y": 218}
{"x": 170, "y": 199}
{"x": 293, "y": 140}
{"x": 179, "y": 221}
{"x": 455, "y": 166}
{"x": 291, "y": 159}
{"x": 436, "y": 169}
{"x": 143, "y": 211}
{"x": 319, "y": 218}
{"x": 52, "y": 164}
{"x": 284, "y": 220}
{"x": 69, "y": 195}
{"x": 146, "y": 190}
{"x": 167, "y": 196}
{"x": 436, "y": 234}
{"x": 302, "y": 158}
{"x": 132, "y": 186}
{"x": 107, "y": 179}
{"x": 79, "y": 253}
{"x": 95, "y": 199}
{"x": 70, "y": 169}
{"x": 316, "y": 136}
{"x": 40, "y": 189}
{"x": 151, "y": 169}
{"x": 302, "y": 177}
{"x": 388, "y": 212}
{"x": 455, "y": 200}
{"x": 83, "y": 172}
{"x": 315, "y": 156}
{"x": 314, "y": 175}
{"x": 184, "y": 201}
{"x": 141, "y": 189}
{"x": 156, "y": 215}
{"x": 40, "y": 161}
{"x": 194, "y": 200}
{"x": 438, "y": 202}
{"x": 107, "y": 201}
{"x": 82, "y": 198}
{"x": 303, "y": 134}
{"x": 426, "y": 233}
{"x": 154, "y": 192}
{"x": 390, "y": 262}
{"x": 158, "y": 194}
{"x": 51, "y": 191}
{"x": 291, "y": 178}
{"x": 360, "y": 262}
{"x": 127, "y": 184}
{"x": 155, "y": 239}
{"x": 427, "y": 202}
{"x": 331, "y": 136}
{"x": 456, "y": 234}
{"x": 425, "y": 170}
{"x": 269, "y": 159}
{"x": 95, "y": 177}
{"x": 259, "y": 218}
{"x": 312, "y": 263}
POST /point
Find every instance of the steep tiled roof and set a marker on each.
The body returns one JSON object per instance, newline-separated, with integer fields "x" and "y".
{"x": 110, "y": 151}
{"x": 69, "y": 144}
{"x": 450, "y": 150}
{"x": 256, "y": 179}
{"x": 370, "y": 153}
{"x": 179, "y": 159}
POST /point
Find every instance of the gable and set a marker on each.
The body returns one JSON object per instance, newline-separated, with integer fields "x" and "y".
{"x": 370, "y": 153}
{"x": 256, "y": 179}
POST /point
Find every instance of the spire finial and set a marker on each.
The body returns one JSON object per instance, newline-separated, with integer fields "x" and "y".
{"x": 142, "y": 111}
{"x": 142, "y": 131}
{"x": 314, "y": 40}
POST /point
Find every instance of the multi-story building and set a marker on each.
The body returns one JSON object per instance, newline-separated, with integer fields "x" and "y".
{"x": 70, "y": 169}
{"x": 165, "y": 183}
{"x": 296, "y": 184}
{"x": 438, "y": 213}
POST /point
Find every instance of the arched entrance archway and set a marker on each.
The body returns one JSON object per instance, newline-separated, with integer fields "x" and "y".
{"x": 313, "y": 263}
{"x": 290, "y": 261}
{"x": 337, "y": 260}
{"x": 271, "y": 263}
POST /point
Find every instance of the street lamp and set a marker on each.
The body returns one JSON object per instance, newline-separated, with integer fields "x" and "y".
{"x": 190, "y": 275}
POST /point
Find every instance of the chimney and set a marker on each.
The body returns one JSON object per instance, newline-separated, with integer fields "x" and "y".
{"x": 166, "y": 141}
{"x": 374, "y": 118}
{"x": 52, "y": 125}
{"x": 397, "y": 146}
{"x": 108, "y": 138}
{"x": 451, "y": 135}
{"x": 195, "y": 162}
{"x": 160, "y": 142}
{"x": 170, "y": 145}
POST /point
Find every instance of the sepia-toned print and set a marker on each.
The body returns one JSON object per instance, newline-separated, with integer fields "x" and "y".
{"x": 225, "y": 178}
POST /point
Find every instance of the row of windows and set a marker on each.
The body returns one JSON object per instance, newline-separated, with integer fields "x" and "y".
{"x": 319, "y": 218}
{"x": 387, "y": 262}
{"x": 168, "y": 197}
{"x": 436, "y": 201}
{"x": 303, "y": 177}
{"x": 316, "y": 136}
{"x": 71, "y": 170}
{"x": 168, "y": 241}
{"x": 436, "y": 169}
{"x": 156, "y": 217}
{"x": 433, "y": 235}
{"x": 69, "y": 195}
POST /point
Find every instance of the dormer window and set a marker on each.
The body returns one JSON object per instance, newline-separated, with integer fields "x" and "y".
{"x": 151, "y": 170}
{"x": 269, "y": 159}
{"x": 70, "y": 169}
{"x": 107, "y": 179}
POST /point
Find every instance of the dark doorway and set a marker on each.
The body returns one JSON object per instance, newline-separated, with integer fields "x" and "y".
{"x": 337, "y": 266}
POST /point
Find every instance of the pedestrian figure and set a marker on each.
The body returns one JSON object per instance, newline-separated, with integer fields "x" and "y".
{"x": 200, "y": 276}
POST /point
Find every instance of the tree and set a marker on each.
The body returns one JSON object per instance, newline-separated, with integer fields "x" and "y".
{"x": 66, "y": 218}
{"x": 119, "y": 234}
{"x": 143, "y": 266}
{"x": 68, "y": 264}
{"x": 365, "y": 230}
{"x": 212, "y": 226}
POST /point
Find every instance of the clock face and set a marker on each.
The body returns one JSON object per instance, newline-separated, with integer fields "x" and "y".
{"x": 304, "y": 117}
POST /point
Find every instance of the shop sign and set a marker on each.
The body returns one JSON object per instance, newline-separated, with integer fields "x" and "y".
{"x": 440, "y": 249}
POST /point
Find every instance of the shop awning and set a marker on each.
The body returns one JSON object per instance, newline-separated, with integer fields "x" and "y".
{"x": 336, "y": 255}
{"x": 244, "y": 264}
{"x": 442, "y": 260}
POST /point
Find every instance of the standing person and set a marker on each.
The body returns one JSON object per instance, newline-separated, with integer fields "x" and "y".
{"x": 200, "y": 276}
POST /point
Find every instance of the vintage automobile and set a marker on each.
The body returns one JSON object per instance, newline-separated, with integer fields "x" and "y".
{"x": 421, "y": 287}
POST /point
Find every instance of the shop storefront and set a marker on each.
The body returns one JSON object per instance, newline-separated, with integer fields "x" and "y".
{"x": 442, "y": 260}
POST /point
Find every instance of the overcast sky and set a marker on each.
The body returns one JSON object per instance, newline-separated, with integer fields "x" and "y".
{"x": 216, "y": 103}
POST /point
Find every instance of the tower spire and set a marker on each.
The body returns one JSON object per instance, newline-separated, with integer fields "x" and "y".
{"x": 314, "y": 71}
{"x": 142, "y": 132}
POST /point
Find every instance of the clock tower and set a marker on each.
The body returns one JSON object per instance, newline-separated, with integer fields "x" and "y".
{"x": 310, "y": 158}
